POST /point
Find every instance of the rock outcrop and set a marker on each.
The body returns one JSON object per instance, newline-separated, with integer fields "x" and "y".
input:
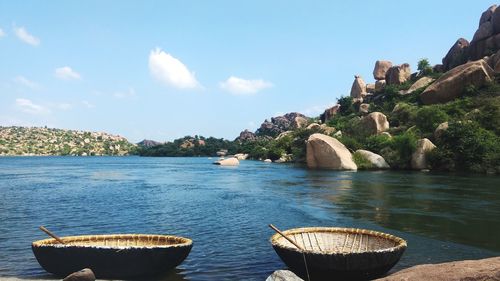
{"x": 358, "y": 89}
{"x": 453, "y": 83}
{"x": 457, "y": 55}
{"x": 398, "y": 74}
{"x": 246, "y": 135}
{"x": 364, "y": 108}
{"x": 380, "y": 69}
{"x": 374, "y": 123}
{"x": 422, "y": 82}
{"x": 148, "y": 143}
{"x": 329, "y": 113}
{"x": 377, "y": 161}
{"x": 85, "y": 274}
{"x": 440, "y": 129}
{"x": 280, "y": 124}
{"x": 418, "y": 158}
{"x": 241, "y": 156}
{"x": 468, "y": 270}
{"x": 325, "y": 152}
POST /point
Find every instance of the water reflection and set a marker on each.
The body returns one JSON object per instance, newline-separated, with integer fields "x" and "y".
{"x": 444, "y": 207}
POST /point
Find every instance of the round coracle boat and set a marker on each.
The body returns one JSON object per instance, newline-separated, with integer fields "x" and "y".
{"x": 121, "y": 256}
{"x": 333, "y": 253}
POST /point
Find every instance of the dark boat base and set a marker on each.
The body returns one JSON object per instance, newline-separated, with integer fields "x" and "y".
{"x": 130, "y": 263}
{"x": 316, "y": 274}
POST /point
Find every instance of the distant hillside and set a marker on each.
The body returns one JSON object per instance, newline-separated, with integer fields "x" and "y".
{"x": 47, "y": 141}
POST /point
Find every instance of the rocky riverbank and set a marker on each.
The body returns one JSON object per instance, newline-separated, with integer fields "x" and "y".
{"x": 470, "y": 270}
{"x": 36, "y": 141}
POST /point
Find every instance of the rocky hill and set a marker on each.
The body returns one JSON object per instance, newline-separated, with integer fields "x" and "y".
{"x": 47, "y": 141}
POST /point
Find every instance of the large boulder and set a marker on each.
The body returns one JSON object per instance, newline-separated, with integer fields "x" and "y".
{"x": 484, "y": 31}
{"x": 422, "y": 82}
{"x": 299, "y": 122}
{"x": 468, "y": 270}
{"x": 379, "y": 85}
{"x": 85, "y": 274}
{"x": 327, "y": 130}
{"x": 329, "y": 113}
{"x": 381, "y": 67}
{"x": 374, "y": 123}
{"x": 376, "y": 161}
{"x": 398, "y": 74}
{"x": 418, "y": 158}
{"x": 495, "y": 20}
{"x": 358, "y": 89}
{"x": 457, "y": 55}
{"x": 453, "y": 83}
{"x": 325, "y": 152}
{"x": 486, "y": 16}
{"x": 440, "y": 129}
{"x": 228, "y": 162}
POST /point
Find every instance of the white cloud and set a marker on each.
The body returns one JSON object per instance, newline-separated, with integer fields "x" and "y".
{"x": 26, "y": 82}
{"x": 171, "y": 71}
{"x": 23, "y": 34}
{"x": 2, "y": 34}
{"x": 88, "y": 104}
{"x": 127, "y": 94}
{"x": 237, "y": 85}
{"x": 62, "y": 106}
{"x": 27, "y": 106}
{"x": 66, "y": 73}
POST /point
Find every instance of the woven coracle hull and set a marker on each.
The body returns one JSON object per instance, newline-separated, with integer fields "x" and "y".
{"x": 339, "y": 253}
{"x": 113, "y": 256}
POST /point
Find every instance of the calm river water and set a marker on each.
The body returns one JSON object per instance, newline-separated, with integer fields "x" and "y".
{"x": 225, "y": 210}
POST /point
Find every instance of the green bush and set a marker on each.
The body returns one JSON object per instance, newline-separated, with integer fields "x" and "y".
{"x": 398, "y": 153}
{"x": 465, "y": 146}
{"x": 376, "y": 143}
{"x": 346, "y": 106}
{"x": 424, "y": 67}
{"x": 403, "y": 115}
{"x": 429, "y": 117}
{"x": 361, "y": 162}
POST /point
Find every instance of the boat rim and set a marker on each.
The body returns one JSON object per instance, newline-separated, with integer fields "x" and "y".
{"x": 48, "y": 242}
{"x": 401, "y": 243}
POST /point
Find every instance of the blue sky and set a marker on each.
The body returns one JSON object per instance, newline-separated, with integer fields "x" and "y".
{"x": 165, "y": 69}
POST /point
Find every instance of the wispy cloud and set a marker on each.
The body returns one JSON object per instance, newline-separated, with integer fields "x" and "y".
{"x": 125, "y": 94}
{"x": 171, "y": 71}
{"x": 25, "y": 36}
{"x": 26, "y": 82}
{"x": 316, "y": 110}
{"x": 27, "y": 106}
{"x": 240, "y": 86}
{"x": 88, "y": 104}
{"x": 2, "y": 33}
{"x": 66, "y": 73}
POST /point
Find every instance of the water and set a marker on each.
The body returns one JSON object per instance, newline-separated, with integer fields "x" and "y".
{"x": 225, "y": 210}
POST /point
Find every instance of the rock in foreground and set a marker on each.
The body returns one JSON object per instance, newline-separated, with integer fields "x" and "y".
{"x": 85, "y": 274}
{"x": 470, "y": 270}
{"x": 283, "y": 275}
{"x": 325, "y": 152}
